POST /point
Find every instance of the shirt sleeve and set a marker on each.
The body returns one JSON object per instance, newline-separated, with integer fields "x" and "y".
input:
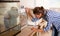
{"x": 49, "y": 23}
{"x": 34, "y": 19}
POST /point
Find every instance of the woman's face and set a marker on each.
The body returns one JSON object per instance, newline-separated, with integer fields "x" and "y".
{"x": 38, "y": 15}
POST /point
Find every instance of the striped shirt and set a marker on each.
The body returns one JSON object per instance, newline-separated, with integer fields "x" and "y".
{"x": 53, "y": 18}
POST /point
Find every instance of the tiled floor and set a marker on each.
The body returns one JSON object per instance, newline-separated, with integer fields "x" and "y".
{"x": 28, "y": 32}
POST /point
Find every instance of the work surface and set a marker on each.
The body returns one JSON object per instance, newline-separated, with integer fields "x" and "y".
{"x": 28, "y": 32}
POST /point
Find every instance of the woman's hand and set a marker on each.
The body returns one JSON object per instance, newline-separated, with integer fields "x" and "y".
{"x": 34, "y": 29}
{"x": 27, "y": 10}
{"x": 39, "y": 30}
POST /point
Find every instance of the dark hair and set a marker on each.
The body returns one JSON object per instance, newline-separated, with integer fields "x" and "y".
{"x": 38, "y": 10}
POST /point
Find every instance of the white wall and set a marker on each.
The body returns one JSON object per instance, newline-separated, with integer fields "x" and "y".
{"x": 46, "y": 3}
{"x": 31, "y": 3}
{"x": 27, "y": 3}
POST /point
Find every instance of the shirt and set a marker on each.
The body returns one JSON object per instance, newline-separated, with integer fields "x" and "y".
{"x": 53, "y": 18}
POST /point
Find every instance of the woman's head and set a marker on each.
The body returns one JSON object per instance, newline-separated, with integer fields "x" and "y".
{"x": 38, "y": 12}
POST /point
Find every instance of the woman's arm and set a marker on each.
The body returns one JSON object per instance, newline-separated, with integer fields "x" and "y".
{"x": 29, "y": 12}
